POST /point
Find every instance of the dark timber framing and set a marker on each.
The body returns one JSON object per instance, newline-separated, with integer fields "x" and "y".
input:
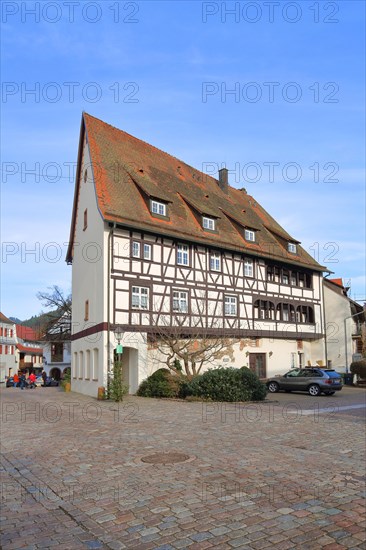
{"x": 206, "y": 288}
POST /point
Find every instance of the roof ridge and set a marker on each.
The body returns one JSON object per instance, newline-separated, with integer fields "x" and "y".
{"x": 156, "y": 148}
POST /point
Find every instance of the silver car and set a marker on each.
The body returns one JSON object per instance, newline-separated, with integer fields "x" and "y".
{"x": 314, "y": 380}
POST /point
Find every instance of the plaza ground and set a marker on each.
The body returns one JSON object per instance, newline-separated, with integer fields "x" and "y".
{"x": 80, "y": 473}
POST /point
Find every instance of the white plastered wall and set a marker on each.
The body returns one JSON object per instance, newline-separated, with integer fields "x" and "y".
{"x": 89, "y": 353}
{"x": 337, "y": 309}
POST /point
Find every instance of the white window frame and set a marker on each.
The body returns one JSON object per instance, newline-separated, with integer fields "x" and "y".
{"x": 182, "y": 254}
{"x": 215, "y": 261}
{"x": 136, "y": 249}
{"x": 147, "y": 251}
{"x": 180, "y": 301}
{"x": 230, "y": 306}
{"x": 248, "y": 268}
{"x": 158, "y": 207}
{"x": 249, "y": 235}
{"x": 292, "y": 247}
{"x": 140, "y": 297}
{"x": 208, "y": 223}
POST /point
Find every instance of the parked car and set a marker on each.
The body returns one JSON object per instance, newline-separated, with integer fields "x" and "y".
{"x": 314, "y": 380}
{"x": 39, "y": 381}
{"x": 10, "y": 382}
{"x": 51, "y": 381}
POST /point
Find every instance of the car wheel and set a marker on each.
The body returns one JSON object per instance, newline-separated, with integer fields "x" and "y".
{"x": 314, "y": 390}
{"x": 329, "y": 392}
{"x": 273, "y": 387}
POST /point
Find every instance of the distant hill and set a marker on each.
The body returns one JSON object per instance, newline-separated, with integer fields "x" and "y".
{"x": 38, "y": 321}
{"x": 16, "y": 320}
{"x": 41, "y": 322}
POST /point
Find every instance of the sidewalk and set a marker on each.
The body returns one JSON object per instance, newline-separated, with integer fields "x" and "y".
{"x": 79, "y": 473}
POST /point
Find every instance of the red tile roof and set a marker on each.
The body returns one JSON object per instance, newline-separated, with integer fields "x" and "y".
{"x": 26, "y": 333}
{"x": 338, "y": 282}
{"x": 4, "y": 319}
{"x": 29, "y": 350}
{"x": 127, "y": 171}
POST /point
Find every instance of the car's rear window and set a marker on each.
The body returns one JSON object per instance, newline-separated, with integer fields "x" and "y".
{"x": 333, "y": 374}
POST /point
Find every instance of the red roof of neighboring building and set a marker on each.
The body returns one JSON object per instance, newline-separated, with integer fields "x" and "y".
{"x": 4, "y": 319}
{"x": 28, "y": 349}
{"x": 128, "y": 172}
{"x": 338, "y": 282}
{"x": 26, "y": 333}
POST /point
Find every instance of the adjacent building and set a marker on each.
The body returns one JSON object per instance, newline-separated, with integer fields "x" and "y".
{"x": 345, "y": 326}
{"x": 57, "y": 347}
{"x": 156, "y": 244}
{"x": 30, "y": 352}
{"x": 8, "y": 353}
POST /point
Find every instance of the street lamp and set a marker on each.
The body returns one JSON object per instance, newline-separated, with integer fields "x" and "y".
{"x": 118, "y": 335}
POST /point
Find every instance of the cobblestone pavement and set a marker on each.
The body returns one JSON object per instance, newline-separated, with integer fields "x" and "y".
{"x": 257, "y": 475}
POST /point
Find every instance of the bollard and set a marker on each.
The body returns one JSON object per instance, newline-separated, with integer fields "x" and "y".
{"x": 101, "y": 393}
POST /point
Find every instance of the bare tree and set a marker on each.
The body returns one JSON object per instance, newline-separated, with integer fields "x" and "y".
{"x": 187, "y": 350}
{"x": 56, "y": 299}
{"x": 56, "y": 324}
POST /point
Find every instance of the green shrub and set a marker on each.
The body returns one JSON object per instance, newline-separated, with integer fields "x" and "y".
{"x": 253, "y": 384}
{"x": 222, "y": 384}
{"x": 227, "y": 384}
{"x": 66, "y": 378}
{"x": 162, "y": 383}
{"x": 117, "y": 386}
{"x": 185, "y": 388}
{"x": 359, "y": 368}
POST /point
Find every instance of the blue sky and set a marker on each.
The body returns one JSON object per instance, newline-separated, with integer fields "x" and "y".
{"x": 271, "y": 90}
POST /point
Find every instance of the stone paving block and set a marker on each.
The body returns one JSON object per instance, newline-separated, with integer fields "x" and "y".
{"x": 183, "y": 543}
{"x": 198, "y": 537}
{"x": 236, "y": 543}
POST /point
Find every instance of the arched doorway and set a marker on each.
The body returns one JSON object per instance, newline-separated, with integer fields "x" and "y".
{"x": 129, "y": 359}
{"x": 55, "y": 373}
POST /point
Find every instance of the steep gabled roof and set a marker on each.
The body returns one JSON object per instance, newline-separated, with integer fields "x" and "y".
{"x": 4, "y": 319}
{"x": 127, "y": 171}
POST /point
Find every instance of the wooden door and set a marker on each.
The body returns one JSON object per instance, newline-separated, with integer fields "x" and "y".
{"x": 257, "y": 364}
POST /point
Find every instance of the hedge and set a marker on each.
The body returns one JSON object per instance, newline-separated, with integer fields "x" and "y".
{"x": 221, "y": 384}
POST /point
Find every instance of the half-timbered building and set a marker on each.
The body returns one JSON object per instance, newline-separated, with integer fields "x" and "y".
{"x": 155, "y": 244}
